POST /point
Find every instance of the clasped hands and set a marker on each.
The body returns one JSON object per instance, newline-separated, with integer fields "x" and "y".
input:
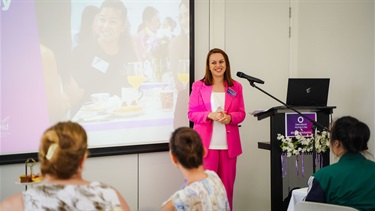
{"x": 220, "y": 116}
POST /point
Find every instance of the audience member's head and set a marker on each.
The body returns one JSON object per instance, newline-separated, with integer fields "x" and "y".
{"x": 350, "y": 133}
{"x": 62, "y": 149}
{"x": 186, "y": 146}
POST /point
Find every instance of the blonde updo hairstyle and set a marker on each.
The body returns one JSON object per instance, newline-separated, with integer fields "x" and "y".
{"x": 62, "y": 148}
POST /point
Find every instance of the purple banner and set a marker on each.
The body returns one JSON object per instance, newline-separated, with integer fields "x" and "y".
{"x": 295, "y": 122}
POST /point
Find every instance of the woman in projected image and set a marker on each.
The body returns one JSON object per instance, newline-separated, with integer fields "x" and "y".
{"x": 178, "y": 53}
{"x": 168, "y": 26}
{"x": 88, "y": 28}
{"x": 216, "y": 106}
{"x": 100, "y": 65}
{"x": 62, "y": 155}
{"x": 179, "y": 45}
{"x": 147, "y": 39}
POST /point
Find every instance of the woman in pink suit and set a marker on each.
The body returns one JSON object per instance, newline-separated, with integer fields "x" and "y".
{"x": 216, "y": 107}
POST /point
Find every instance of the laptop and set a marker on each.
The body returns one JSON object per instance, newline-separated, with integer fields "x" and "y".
{"x": 307, "y": 92}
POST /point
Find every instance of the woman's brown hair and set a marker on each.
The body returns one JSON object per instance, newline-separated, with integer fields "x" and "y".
{"x": 208, "y": 79}
{"x": 62, "y": 149}
{"x": 186, "y": 145}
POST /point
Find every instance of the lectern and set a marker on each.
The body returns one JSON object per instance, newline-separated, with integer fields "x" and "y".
{"x": 277, "y": 126}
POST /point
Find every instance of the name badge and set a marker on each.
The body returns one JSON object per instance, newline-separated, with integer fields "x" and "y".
{"x": 231, "y": 92}
{"x": 100, "y": 64}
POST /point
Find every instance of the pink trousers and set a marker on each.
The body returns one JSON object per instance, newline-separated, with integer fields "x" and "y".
{"x": 219, "y": 162}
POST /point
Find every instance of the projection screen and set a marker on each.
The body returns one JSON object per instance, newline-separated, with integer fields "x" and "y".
{"x": 120, "y": 68}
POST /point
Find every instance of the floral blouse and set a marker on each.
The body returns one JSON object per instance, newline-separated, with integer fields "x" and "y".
{"x": 207, "y": 194}
{"x": 95, "y": 196}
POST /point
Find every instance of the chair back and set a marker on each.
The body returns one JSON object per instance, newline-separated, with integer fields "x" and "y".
{"x": 307, "y": 205}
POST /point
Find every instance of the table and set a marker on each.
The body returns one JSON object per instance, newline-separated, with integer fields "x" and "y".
{"x": 297, "y": 195}
{"x": 113, "y": 124}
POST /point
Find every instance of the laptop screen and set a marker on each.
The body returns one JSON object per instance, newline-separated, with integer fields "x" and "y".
{"x": 307, "y": 92}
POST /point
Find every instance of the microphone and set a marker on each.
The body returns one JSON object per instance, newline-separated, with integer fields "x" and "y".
{"x": 249, "y": 78}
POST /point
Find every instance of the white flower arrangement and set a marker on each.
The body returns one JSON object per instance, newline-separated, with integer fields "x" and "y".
{"x": 302, "y": 144}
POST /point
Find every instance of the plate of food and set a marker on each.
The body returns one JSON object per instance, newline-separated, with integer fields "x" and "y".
{"x": 128, "y": 111}
{"x": 29, "y": 180}
{"x": 89, "y": 116}
{"x": 98, "y": 117}
{"x": 93, "y": 108}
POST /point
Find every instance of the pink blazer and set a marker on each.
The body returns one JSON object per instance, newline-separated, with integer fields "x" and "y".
{"x": 200, "y": 107}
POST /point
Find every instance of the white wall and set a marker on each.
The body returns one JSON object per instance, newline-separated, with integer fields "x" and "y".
{"x": 340, "y": 46}
{"x": 256, "y": 39}
{"x": 333, "y": 39}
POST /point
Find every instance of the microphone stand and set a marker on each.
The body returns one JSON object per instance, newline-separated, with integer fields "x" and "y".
{"x": 315, "y": 123}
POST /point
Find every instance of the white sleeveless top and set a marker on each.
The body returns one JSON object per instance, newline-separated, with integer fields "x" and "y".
{"x": 219, "y": 136}
{"x": 94, "y": 196}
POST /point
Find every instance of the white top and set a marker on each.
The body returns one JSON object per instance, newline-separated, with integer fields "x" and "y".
{"x": 219, "y": 136}
{"x": 207, "y": 194}
{"x": 94, "y": 196}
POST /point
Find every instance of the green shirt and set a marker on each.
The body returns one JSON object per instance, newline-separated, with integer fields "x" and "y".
{"x": 349, "y": 182}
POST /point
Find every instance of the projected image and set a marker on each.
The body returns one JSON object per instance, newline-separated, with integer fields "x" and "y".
{"x": 119, "y": 68}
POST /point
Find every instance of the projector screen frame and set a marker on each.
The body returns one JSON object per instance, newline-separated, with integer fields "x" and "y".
{"x": 18, "y": 158}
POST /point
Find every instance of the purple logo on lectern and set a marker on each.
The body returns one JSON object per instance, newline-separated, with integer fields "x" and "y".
{"x": 294, "y": 121}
